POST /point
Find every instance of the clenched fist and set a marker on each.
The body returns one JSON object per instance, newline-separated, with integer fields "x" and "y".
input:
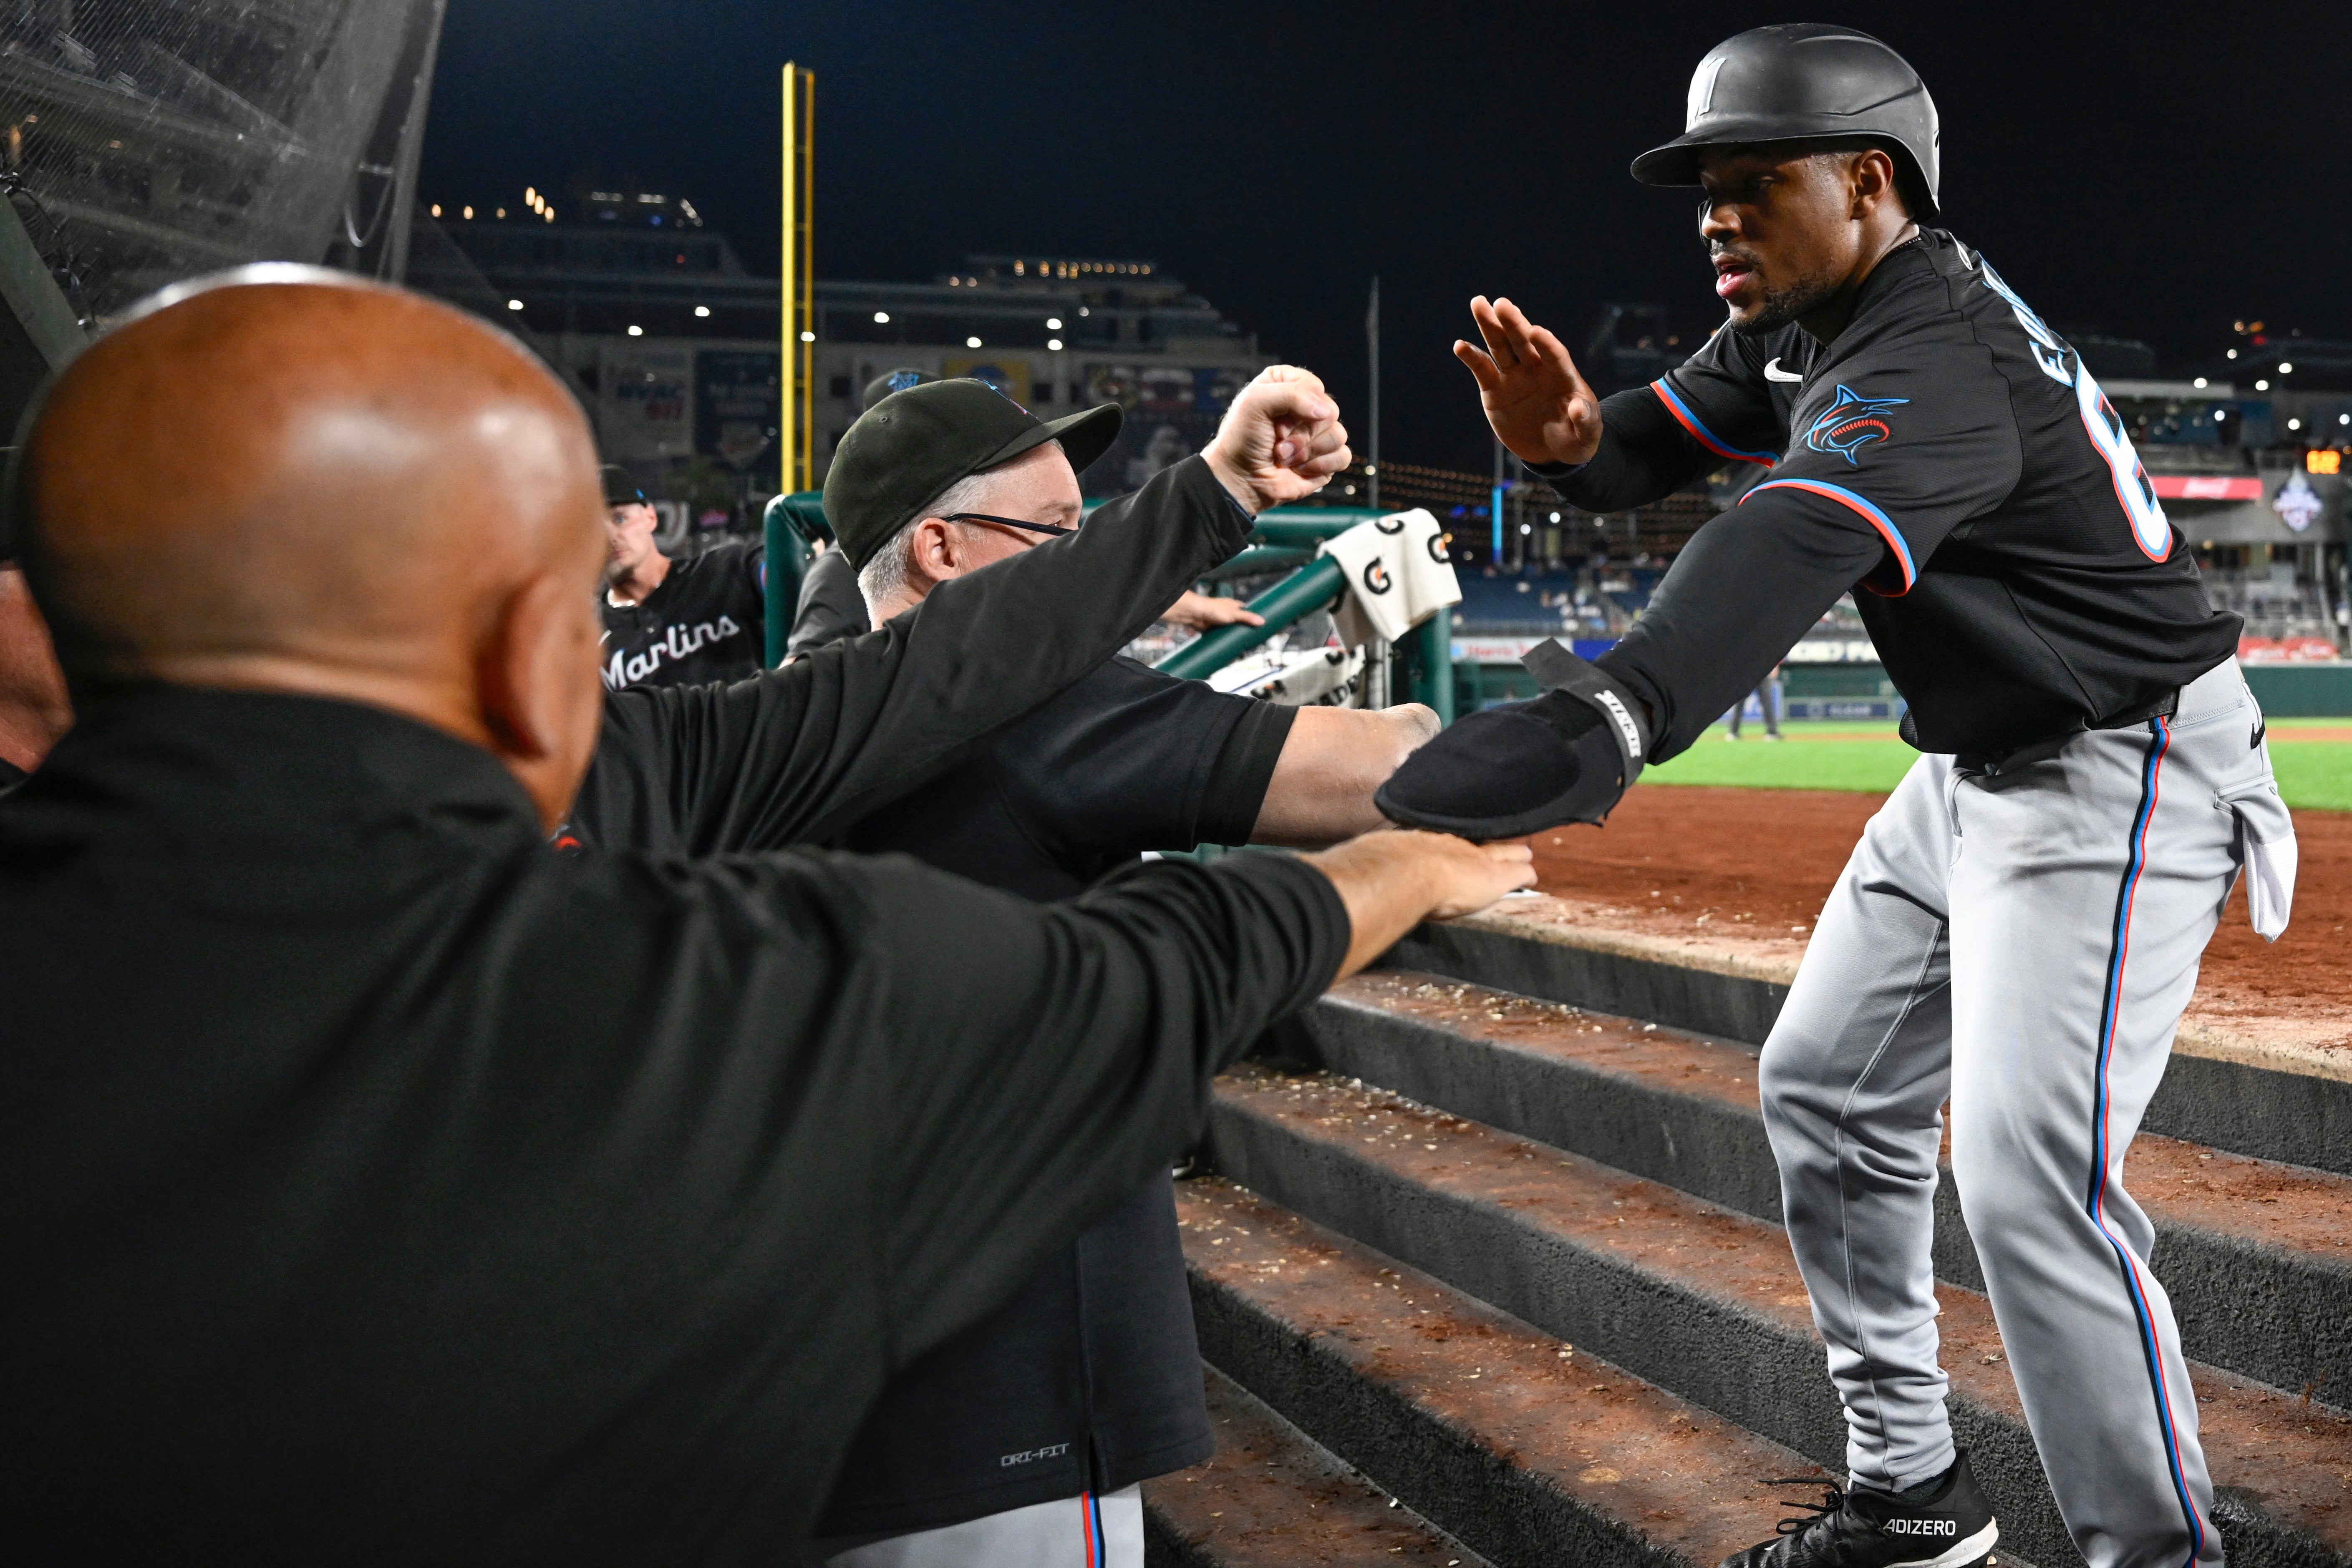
{"x": 1281, "y": 440}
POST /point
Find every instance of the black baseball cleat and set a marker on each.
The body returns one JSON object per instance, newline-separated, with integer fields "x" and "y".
{"x": 1940, "y": 1523}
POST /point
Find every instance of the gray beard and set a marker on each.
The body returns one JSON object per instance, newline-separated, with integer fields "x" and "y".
{"x": 1784, "y": 305}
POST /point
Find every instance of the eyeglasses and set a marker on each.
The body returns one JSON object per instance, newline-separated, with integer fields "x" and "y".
{"x": 1005, "y": 523}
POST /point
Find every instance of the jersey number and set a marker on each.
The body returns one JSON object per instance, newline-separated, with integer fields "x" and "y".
{"x": 2151, "y": 529}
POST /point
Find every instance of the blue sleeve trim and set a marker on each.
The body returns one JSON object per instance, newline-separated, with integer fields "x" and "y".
{"x": 1704, "y": 436}
{"x": 1870, "y": 513}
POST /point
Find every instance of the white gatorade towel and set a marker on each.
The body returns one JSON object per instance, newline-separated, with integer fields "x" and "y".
{"x": 1319, "y": 677}
{"x": 1398, "y": 576}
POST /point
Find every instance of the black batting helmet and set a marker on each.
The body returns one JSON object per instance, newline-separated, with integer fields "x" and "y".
{"x": 1803, "y": 81}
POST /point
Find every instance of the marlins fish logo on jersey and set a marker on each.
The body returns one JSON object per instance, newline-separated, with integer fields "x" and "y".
{"x": 1851, "y": 424}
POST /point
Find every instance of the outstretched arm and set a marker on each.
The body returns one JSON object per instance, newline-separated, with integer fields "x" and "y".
{"x": 1076, "y": 1057}
{"x": 797, "y": 753}
{"x": 1603, "y": 454}
{"x": 1331, "y": 762}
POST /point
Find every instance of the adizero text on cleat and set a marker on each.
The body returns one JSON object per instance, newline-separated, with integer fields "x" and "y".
{"x": 1940, "y": 1523}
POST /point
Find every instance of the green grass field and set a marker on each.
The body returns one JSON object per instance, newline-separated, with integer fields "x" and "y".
{"x": 2314, "y": 775}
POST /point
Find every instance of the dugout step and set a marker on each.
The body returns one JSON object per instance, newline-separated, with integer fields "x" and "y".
{"x": 2228, "y": 1087}
{"x": 1272, "y": 1498}
{"x": 1529, "y": 1452}
{"x": 2253, "y": 1252}
{"x": 1707, "y": 1302}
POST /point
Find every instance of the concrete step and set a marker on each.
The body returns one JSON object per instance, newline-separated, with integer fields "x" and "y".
{"x": 2228, "y": 1087}
{"x": 2254, "y": 1253}
{"x": 1707, "y": 1304}
{"x": 1531, "y": 1451}
{"x": 1272, "y": 1498}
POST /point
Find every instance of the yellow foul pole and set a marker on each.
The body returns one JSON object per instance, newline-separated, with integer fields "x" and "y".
{"x": 795, "y": 428}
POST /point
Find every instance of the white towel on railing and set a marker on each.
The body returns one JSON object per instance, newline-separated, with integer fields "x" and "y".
{"x": 1398, "y": 576}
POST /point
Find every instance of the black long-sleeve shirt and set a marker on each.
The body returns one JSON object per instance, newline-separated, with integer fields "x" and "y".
{"x": 1950, "y": 456}
{"x": 830, "y": 606}
{"x": 796, "y": 754}
{"x": 384, "y": 1185}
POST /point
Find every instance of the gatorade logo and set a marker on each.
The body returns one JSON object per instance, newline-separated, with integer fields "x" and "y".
{"x": 1922, "y": 1527}
{"x": 1376, "y": 576}
{"x": 1627, "y": 730}
{"x": 1391, "y": 525}
{"x": 1437, "y": 549}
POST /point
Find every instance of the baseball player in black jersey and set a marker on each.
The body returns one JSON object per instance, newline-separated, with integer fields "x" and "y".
{"x": 2021, "y": 925}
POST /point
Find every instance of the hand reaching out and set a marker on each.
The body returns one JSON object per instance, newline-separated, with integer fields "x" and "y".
{"x": 1206, "y": 612}
{"x": 1540, "y": 407}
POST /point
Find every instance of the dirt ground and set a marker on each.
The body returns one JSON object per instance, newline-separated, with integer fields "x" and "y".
{"x": 1685, "y": 860}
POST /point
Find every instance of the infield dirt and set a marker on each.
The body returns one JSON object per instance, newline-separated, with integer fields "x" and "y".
{"x": 1748, "y": 870}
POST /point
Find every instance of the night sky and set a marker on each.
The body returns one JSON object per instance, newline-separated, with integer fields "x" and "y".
{"x": 2145, "y": 178}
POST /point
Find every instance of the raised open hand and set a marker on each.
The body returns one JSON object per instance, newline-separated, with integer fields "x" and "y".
{"x": 1540, "y": 407}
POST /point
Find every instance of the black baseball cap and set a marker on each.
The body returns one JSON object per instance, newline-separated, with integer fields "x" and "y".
{"x": 913, "y": 444}
{"x": 620, "y": 490}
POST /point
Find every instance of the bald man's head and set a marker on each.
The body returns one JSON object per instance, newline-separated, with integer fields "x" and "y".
{"x": 320, "y": 485}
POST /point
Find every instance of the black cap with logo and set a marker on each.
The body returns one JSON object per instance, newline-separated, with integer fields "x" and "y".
{"x": 1805, "y": 81}
{"x": 620, "y": 490}
{"x": 914, "y": 443}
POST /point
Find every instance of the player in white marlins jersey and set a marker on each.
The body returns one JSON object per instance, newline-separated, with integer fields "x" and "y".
{"x": 2021, "y": 925}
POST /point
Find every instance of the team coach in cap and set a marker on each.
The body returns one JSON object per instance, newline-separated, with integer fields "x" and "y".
{"x": 1090, "y": 1374}
{"x": 387, "y": 1186}
{"x": 794, "y": 755}
{"x": 831, "y": 607}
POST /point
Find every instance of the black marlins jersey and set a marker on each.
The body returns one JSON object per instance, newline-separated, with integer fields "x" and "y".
{"x": 706, "y": 622}
{"x": 2031, "y": 584}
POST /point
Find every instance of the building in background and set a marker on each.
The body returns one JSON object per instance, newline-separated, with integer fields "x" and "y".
{"x": 672, "y": 343}
{"x": 1056, "y": 334}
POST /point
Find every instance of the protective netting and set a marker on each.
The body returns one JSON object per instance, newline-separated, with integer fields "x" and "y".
{"x": 160, "y": 139}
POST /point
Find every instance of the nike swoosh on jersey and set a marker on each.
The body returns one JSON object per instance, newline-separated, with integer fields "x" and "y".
{"x": 1773, "y": 372}
{"x": 2262, "y": 727}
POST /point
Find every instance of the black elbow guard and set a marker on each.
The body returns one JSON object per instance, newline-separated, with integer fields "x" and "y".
{"x": 1566, "y": 756}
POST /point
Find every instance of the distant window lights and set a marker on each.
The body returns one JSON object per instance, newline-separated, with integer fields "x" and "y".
{"x": 1053, "y": 323}
{"x": 808, "y": 337}
{"x": 637, "y": 331}
{"x": 1054, "y": 344}
{"x": 972, "y": 342}
{"x": 514, "y": 304}
{"x": 881, "y": 318}
{"x": 702, "y": 310}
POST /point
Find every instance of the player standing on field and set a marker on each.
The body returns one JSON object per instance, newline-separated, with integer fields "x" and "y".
{"x": 2021, "y": 925}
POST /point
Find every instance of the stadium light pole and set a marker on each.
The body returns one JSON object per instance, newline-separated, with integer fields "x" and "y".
{"x": 1494, "y": 505}
{"x": 795, "y": 361}
{"x": 1372, "y": 341}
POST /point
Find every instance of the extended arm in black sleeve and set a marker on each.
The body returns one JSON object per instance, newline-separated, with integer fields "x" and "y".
{"x": 1071, "y": 1058}
{"x": 791, "y": 755}
{"x": 830, "y": 606}
{"x": 1743, "y": 591}
{"x": 1644, "y": 455}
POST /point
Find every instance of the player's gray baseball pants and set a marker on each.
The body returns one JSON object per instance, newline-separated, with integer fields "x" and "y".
{"x": 2021, "y": 944}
